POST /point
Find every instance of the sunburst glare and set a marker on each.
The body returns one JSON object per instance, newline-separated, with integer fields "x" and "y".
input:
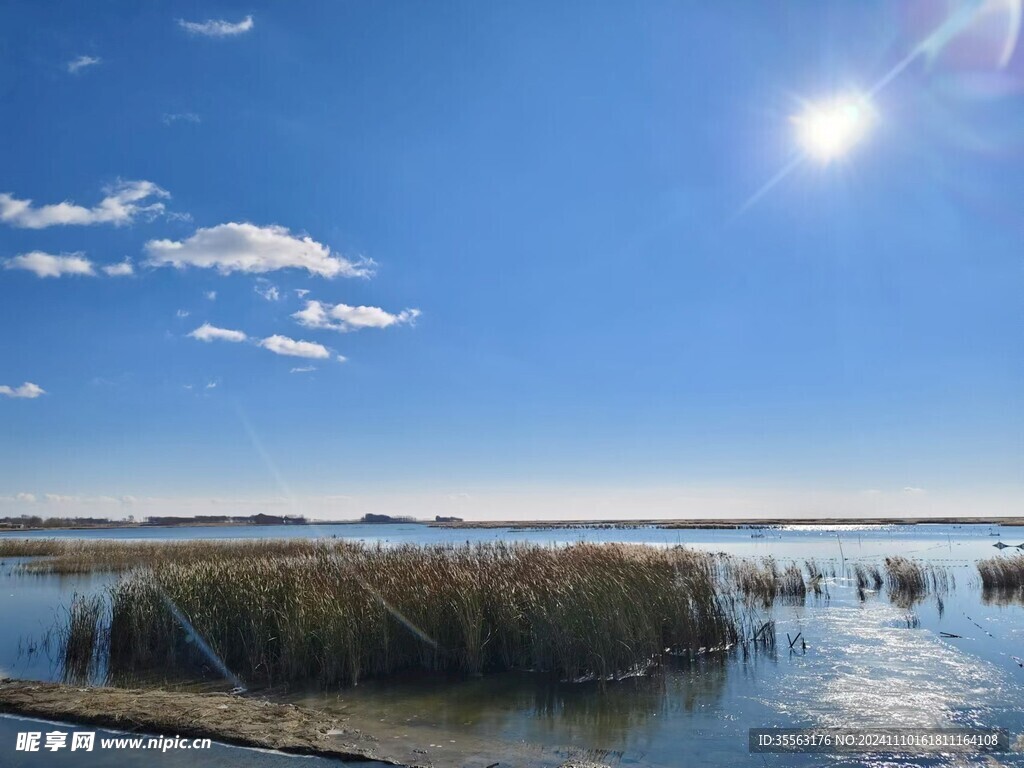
{"x": 828, "y": 130}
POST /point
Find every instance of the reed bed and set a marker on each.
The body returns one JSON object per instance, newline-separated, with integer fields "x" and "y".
{"x": 336, "y": 615}
{"x": 71, "y": 556}
{"x": 1002, "y": 572}
{"x": 909, "y": 581}
{"x": 762, "y": 581}
{"x": 81, "y": 639}
{"x": 1002, "y": 579}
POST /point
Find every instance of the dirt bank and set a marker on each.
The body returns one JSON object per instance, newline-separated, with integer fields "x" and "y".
{"x": 247, "y": 722}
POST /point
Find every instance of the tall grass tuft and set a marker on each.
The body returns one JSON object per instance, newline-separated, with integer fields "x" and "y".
{"x": 338, "y": 614}
{"x": 81, "y": 639}
{"x": 909, "y": 581}
{"x": 762, "y": 581}
{"x": 1002, "y": 578}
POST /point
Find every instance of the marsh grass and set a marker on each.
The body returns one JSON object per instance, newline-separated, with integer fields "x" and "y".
{"x": 1002, "y": 579}
{"x": 909, "y": 581}
{"x": 74, "y": 556}
{"x": 762, "y": 581}
{"x": 81, "y": 638}
{"x": 337, "y": 614}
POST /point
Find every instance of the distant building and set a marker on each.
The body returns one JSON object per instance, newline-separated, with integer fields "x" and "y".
{"x": 446, "y": 519}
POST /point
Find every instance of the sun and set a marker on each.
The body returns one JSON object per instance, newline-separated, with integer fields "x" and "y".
{"x": 828, "y": 130}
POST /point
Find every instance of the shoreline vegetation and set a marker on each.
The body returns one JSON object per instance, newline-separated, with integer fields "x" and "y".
{"x": 343, "y": 612}
{"x": 13, "y": 525}
{"x": 304, "y": 614}
{"x": 331, "y": 612}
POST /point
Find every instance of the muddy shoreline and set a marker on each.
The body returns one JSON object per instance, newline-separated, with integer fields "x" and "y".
{"x": 234, "y": 720}
{"x": 253, "y": 722}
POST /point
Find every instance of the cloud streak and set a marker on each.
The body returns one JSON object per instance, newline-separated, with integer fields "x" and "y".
{"x": 282, "y": 345}
{"x": 27, "y": 391}
{"x": 47, "y": 265}
{"x": 244, "y": 247}
{"x": 170, "y": 118}
{"x": 217, "y": 27}
{"x": 124, "y": 269}
{"x": 344, "y": 318}
{"x": 76, "y": 65}
{"x": 124, "y": 201}
{"x": 207, "y": 332}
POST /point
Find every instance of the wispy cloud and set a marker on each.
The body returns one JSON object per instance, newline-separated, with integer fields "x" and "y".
{"x": 217, "y": 27}
{"x": 268, "y": 291}
{"x": 76, "y": 65}
{"x": 47, "y": 265}
{"x": 182, "y": 313}
{"x": 28, "y": 391}
{"x": 282, "y": 345}
{"x": 207, "y": 332}
{"x": 343, "y": 317}
{"x": 211, "y": 295}
{"x": 170, "y": 118}
{"x": 244, "y": 247}
{"x": 279, "y": 345}
{"x": 124, "y": 269}
{"x": 123, "y": 202}
{"x": 303, "y": 369}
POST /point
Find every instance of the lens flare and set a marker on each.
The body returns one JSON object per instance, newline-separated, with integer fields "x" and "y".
{"x": 828, "y": 130}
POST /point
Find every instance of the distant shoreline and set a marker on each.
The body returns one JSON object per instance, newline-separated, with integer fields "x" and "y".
{"x": 671, "y": 524}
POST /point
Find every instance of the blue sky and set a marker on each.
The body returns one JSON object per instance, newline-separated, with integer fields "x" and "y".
{"x": 527, "y": 228}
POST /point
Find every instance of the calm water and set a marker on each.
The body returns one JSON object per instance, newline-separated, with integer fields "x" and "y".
{"x": 867, "y": 663}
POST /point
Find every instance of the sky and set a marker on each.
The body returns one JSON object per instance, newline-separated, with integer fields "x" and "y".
{"x": 511, "y": 260}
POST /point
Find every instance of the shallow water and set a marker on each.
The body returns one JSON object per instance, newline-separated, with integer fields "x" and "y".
{"x": 867, "y": 663}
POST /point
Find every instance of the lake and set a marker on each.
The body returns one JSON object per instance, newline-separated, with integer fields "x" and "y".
{"x": 867, "y": 662}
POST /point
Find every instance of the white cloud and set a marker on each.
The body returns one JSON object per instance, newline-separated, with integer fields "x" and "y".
{"x": 123, "y": 269}
{"x": 124, "y": 201}
{"x": 182, "y": 313}
{"x": 170, "y": 118}
{"x": 211, "y": 295}
{"x": 80, "y": 63}
{"x": 911, "y": 489}
{"x": 342, "y": 359}
{"x": 282, "y": 345}
{"x": 211, "y": 385}
{"x": 342, "y": 317}
{"x": 217, "y": 27}
{"x": 56, "y": 498}
{"x": 207, "y": 332}
{"x": 48, "y": 265}
{"x": 268, "y": 291}
{"x": 301, "y": 292}
{"x": 28, "y": 390}
{"x": 303, "y": 369}
{"x": 29, "y": 497}
{"x": 244, "y": 247}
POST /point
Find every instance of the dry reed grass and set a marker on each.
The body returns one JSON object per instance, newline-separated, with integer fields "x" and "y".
{"x": 337, "y": 614}
{"x": 1002, "y": 579}
{"x": 908, "y": 581}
